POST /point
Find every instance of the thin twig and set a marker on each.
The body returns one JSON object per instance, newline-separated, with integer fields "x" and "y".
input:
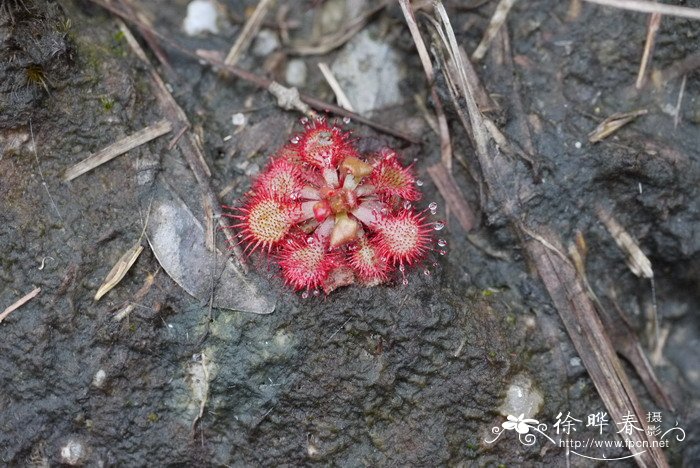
{"x": 497, "y": 20}
{"x": 250, "y": 29}
{"x": 652, "y": 29}
{"x": 340, "y": 95}
{"x": 23, "y": 300}
{"x": 445, "y": 141}
{"x": 190, "y": 145}
{"x": 117, "y": 148}
{"x": 651, "y": 7}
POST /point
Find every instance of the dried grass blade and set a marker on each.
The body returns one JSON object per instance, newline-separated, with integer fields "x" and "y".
{"x": 652, "y": 29}
{"x": 637, "y": 262}
{"x": 645, "y": 6}
{"x": 613, "y": 124}
{"x": 119, "y": 270}
{"x": 497, "y": 20}
{"x": 120, "y": 147}
{"x": 23, "y": 300}
{"x": 250, "y": 29}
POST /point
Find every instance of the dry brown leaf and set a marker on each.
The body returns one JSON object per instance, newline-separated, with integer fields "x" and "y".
{"x": 119, "y": 270}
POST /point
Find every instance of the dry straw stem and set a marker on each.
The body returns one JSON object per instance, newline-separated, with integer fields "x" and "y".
{"x": 119, "y": 147}
{"x": 613, "y": 123}
{"x": 497, "y": 20}
{"x": 444, "y": 130}
{"x": 508, "y": 188}
{"x": 637, "y": 262}
{"x": 651, "y": 7}
{"x": 340, "y": 95}
{"x": 250, "y": 30}
{"x": 652, "y": 29}
{"x": 23, "y": 300}
{"x": 623, "y": 336}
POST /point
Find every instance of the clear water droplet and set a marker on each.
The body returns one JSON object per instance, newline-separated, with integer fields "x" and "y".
{"x": 433, "y": 207}
{"x": 346, "y": 120}
{"x": 419, "y": 182}
{"x": 435, "y": 264}
{"x": 310, "y": 240}
{"x": 385, "y": 211}
{"x": 442, "y": 252}
{"x": 426, "y": 272}
{"x": 404, "y": 281}
{"x": 304, "y": 120}
{"x": 402, "y": 268}
{"x": 240, "y": 235}
{"x": 442, "y": 242}
{"x": 305, "y": 295}
{"x": 439, "y": 225}
{"x": 407, "y": 205}
{"x": 294, "y": 196}
{"x": 316, "y": 292}
{"x": 294, "y": 140}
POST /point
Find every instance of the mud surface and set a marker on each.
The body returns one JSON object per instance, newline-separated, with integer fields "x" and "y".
{"x": 393, "y": 375}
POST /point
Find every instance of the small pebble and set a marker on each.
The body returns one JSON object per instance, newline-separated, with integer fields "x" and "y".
{"x": 99, "y": 379}
{"x": 73, "y": 453}
{"x": 265, "y": 43}
{"x": 238, "y": 119}
{"x": 296, "y": 73}
{"x": 201, "y": 17}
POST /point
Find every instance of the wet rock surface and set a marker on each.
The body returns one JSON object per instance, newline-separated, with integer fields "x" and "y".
{"x": 393, "y": 375}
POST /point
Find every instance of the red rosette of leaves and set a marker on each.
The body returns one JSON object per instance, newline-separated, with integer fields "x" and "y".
{"x": 330, "y": 216}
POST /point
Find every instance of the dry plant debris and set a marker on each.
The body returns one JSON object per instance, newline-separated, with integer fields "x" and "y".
{"x": 119, "y": 270}
{"x": 613, "y": 124}
{"x": 558, "y": 274}
{"x": 19, "y": 303}
{"x": 117, "y": 148}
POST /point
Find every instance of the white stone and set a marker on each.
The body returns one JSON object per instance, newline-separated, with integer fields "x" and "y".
{"x": 521, "y": 398}
{"x": 238, "y": 119}
{"x": 296, "y": 73}
{"x": 73, "y": 453}
{"x": 201, "y": 17}
{"x": 99, "y": 379}
{"x": 265, "y": 43}
{"x": 369, "y": 72}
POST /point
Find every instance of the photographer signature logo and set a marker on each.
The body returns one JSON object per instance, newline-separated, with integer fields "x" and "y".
{"x": 529, "y": 431}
